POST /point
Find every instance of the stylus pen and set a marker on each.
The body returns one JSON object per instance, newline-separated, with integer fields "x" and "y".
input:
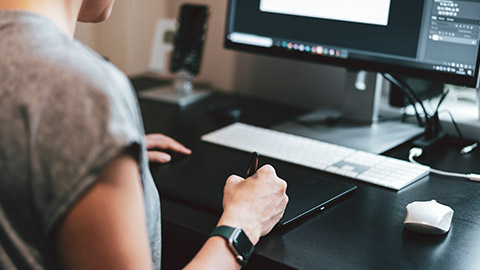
{"x": 253, "y": 165}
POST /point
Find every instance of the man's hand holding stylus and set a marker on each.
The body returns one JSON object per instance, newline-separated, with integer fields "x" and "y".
{"x": 255, "y": 204}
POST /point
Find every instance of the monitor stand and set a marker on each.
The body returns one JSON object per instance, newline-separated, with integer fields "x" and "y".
{"x": 357, "y": 124}
{"x": 478, "y": 100}
{"x": 180, "y": 93}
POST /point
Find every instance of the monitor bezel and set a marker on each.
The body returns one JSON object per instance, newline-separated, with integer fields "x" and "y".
{"x": 354, "y": 64}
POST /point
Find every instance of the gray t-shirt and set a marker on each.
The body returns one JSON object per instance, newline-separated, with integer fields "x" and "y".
{"x": 65, "y": 113}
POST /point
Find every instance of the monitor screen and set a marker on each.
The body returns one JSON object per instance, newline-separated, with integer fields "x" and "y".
{"x": 430, "y": 39}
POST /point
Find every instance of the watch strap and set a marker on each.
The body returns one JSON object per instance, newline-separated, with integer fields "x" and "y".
{"x": 223, "y": 231}
{"x": 231, "y": 235}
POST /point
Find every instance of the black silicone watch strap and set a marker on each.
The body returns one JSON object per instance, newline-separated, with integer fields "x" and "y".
{"x": 223, "y": 231}
{"x": 233, "y": 236}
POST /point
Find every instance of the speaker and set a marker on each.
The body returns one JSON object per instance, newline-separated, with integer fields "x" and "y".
{"x": 186, "y": 58}
{"x": 189, "y": 39}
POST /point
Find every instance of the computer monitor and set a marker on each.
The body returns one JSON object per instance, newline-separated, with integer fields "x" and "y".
{"x": 430, "y": 39}
{"x": 433, "y": 39}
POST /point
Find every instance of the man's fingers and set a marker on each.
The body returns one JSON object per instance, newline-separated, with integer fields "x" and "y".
{"x": 177, "y": 147}
{"x": 160, "y": 141}
{"x": 160, "y": 157}
{"x": 155, "y": 141}
{"x": 282, "y": 185}
{"x": 234, "y": 179}
{"x": 267, "y": 170}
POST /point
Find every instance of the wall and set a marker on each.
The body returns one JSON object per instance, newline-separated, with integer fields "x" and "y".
{"x": 127, "y": 36}
{"x": 301, "y": 84}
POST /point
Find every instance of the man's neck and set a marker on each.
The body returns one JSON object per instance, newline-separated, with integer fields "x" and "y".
{"x": 63, "y": 13}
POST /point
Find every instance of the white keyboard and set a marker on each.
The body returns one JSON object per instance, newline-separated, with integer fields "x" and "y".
{"x": 375, "y": 169}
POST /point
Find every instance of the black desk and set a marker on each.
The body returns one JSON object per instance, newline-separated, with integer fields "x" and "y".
{"x": 364, "y": 231}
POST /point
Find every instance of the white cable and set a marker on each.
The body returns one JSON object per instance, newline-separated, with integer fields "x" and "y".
{"x": 417, "y": 152}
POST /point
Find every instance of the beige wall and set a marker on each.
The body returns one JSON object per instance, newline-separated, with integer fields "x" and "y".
{"x": 126, "y": 39}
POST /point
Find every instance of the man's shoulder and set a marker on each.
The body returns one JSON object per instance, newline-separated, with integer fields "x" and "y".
{"x": 73, "y": 65}
{"x": 35, "y": 51}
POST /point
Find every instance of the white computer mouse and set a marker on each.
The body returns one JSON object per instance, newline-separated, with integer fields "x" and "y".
{"x": 428, "y": 217}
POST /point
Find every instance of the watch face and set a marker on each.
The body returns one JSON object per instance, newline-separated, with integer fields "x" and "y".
{"x": 243, "y": 245}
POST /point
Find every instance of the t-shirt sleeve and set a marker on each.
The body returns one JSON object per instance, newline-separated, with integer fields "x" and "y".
{"x": 74, "y": 134}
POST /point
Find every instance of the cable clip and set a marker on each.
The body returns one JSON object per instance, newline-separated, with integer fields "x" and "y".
{"x": 474, "y": 177}
{"x": 469, "y": 148}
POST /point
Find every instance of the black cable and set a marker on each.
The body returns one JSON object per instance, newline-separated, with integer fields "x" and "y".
{"x": 432, "y": 126}
{"x": 413, "y": 93}
{"x": 442, "y": 98}
{"x": 394, "y": 81}
{"x": 459, "y": 132}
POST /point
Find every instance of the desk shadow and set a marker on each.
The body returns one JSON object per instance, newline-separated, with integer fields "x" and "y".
{"x": 434, "y": 247}
{"x": 411, "y": 237}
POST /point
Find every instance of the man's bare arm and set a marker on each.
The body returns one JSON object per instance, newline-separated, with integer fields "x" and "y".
{"x": 106, "y": 229}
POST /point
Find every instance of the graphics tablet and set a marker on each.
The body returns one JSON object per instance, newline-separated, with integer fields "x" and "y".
{"x": 200, "y": 179}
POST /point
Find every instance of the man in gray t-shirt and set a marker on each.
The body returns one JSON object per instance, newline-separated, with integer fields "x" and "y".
{"x": 67, "y": 115}
{"x": 75, "y": 188}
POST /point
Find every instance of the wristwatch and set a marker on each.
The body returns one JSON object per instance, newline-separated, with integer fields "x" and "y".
{"x": 237, "y": 242}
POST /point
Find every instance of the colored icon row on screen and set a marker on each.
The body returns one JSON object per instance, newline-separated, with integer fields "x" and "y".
{"x": 319, "y": 50}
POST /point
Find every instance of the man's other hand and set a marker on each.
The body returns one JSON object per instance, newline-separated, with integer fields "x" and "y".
{"x": 159, "y": 144}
